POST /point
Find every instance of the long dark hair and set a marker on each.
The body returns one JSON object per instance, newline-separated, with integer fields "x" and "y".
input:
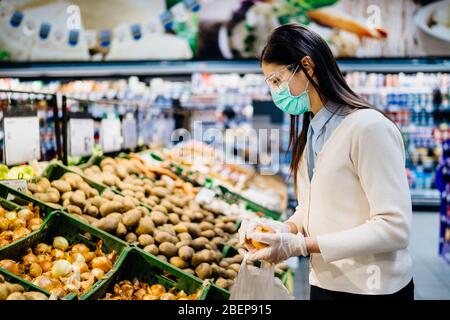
{"x": 287, "y": 45}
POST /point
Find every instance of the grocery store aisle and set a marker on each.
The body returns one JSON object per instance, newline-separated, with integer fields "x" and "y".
{"x": 431, "y": 273}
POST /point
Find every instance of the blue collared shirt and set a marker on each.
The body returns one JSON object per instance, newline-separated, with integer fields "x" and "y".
{"x": 320, "y": 129}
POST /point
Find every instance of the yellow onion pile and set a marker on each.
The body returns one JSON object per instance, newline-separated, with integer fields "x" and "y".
{"x": 15, "y": 225}
{"x": 62, "y": 268}
{"x": 138, "y": 290}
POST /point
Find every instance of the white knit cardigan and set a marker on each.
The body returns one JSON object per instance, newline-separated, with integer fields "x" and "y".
{"x": 358, "y": 205}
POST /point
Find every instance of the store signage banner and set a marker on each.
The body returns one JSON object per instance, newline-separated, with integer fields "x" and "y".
{"x": 111, "y": 135}
{"x": 80, "y": 137}
{"x": 22, "y": 141}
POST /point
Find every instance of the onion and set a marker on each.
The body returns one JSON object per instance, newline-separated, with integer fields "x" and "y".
{"x": 58, "y": 292}
{"x": 58, "y": 254}
{"x": 78, "y": 257}
{"x": 25, "y": 214}
{"x": 7, "y": 235}
{"x": 20, "y": 233}
{"x": 168, "y": 296}
{"x": 4, "y": 224}
{"x": 45, "y": 283}
{"x": 102, "y": 263}
{"x": 86, "y": 276}
{"x": 17, "y": 223}
{"x": 150, "y": 297}
{"x": 99, "y": 274}
{"x": 35, "y": 270}
{"x": 34, "y": 223}
{"x": 60, "y": 243}
{"x": 82, "y": 266}
{"x": 42, "y": 248}
{"x": 29, "y": 258}
{"x": 140, "y": 294}
{"x": 11, "y": 215}
{"x": 80, "y": 248}
{"x": 89, "y": 256}
{"x": 157, "y": 289}
{"x": 4, "y": 242}
{"x": 10, "y": 265}
{"x": 61, "y": 268}
{"x": 46, "y": 265}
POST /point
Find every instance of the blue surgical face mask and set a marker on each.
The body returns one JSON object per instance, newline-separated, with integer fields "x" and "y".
{"x": 294, "y": 105}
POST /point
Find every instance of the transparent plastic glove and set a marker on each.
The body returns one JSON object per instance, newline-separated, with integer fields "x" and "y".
{"x": 280, "y": 246}
{"x": 249, "y": 226}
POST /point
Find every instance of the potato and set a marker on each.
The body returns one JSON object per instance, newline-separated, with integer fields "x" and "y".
{"x": 121, "y": 230}
{"x": 98, "y": 201}
{"x": 167, "y": 204}
{"x": 180, "y": 228}
{"x": 206, "y": 226}
{"x": 237, "y": 259}
{"x": 177, "y": 201}
{"x": 152, "y": 249}
{"x": 145, "y": 226}
{"x": 89, "y": 219}
{"x": 16, "y": 296}
{"x": 34, "y": 295}
{"x": 163, "y": 236}
{"x": 108, "y": 224}
{"x": 144, "y": 211}
{"x": 230, "y": 227}
{"x": 128, "y": 193}
{"x": 204, "y": 255}
{"x": 199, "y": 243}
{"x": 189, "y": 271}
{"x": 178, "y": 211}
{"x": 158, "y": 217}
{"x": 219, "y": 232}
{"x": 203, "y": 271}
{"x": 91, "y": 210}
{"x": 34, "y": 188}
{"x": 217, "y": 241}
{"x": 173, "y": 218}
{"x": 107, "y": 161}
{"x": 61, "y": 185}
{"x": 186, "y": 253}
{"x": 111, "y": 206}
{"x": 160, "y": 192}
{"x": 54, "y": 205}
{"x": 128, "y": 204}
{"x": 78, "y": 198}
{"x": 145, "y": 240}
{"x": 178, "y": 262}
{"x": 131, "y": 218}
{"x": 208, "y": 234}
{"x": 224, "y": 264}
{"x": 168, "y": 249}
{"x": 185, "y": 218}
{"x": 235, "y": 267}
{"x": 74, "y": 209}
{"x": 139, "y": 195}
{"x": 131, "y": 238}
{"x": 222, "y": 283}
{"x": 161, "y": 257}
{"x": 44, "y": 184}
{"x": 47, "y": 197}
{"x": 149, "y": 202}
{"x": 230, "y": 274}
{"x": 184, "y": 236}
{"x": 161, "y": 209}
{"x": 193, "y": 229}
{"x": 108, "y": 194}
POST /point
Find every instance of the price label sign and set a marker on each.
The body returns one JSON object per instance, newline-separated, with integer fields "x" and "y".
{"x": 22, "y": 140}
{"x": 80, "y": 137}
{"x": 111, "y": 135}
{"x": 129, "y": 132}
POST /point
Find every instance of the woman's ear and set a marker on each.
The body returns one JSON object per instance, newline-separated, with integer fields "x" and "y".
{"x": 308, "y": 65}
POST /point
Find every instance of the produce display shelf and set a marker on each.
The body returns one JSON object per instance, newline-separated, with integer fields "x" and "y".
{"x": 148, "y": 268}
{"x": 9, "y": 205}
{"x": 223, "y": 191}
{"x": 75, "y": 231}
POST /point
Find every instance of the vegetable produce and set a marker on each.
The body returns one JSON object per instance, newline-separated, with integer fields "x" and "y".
{"x": 15, "y": 225}
{"x": 139, "y": 290}
{"x": 62, "y": 268}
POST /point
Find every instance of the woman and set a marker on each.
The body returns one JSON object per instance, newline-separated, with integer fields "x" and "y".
{"x": 354, "y": 213}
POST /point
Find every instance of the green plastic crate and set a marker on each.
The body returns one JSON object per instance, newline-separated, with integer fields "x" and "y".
{"x": 12, "y": 278}
{"x": 8, "y": 205}
{"x": 23, "y": 199}
{"x": 74, "y": 230}
{"x": 148, "y": 268}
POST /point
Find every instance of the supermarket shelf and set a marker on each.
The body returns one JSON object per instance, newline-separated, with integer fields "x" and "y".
{"x": 154, "y": 68}
{"x": 425, "y": 200}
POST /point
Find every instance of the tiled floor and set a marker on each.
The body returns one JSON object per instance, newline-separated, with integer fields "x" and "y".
{"x": 431, "y": 272}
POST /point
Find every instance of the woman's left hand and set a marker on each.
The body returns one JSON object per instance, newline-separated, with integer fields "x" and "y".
{"x": 280, "y": 246}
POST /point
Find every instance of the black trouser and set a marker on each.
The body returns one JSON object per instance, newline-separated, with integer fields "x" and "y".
{"x": 407, "y": 293}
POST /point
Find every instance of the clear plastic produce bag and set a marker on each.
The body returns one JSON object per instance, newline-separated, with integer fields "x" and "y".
{"x": 253, "y": 283}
